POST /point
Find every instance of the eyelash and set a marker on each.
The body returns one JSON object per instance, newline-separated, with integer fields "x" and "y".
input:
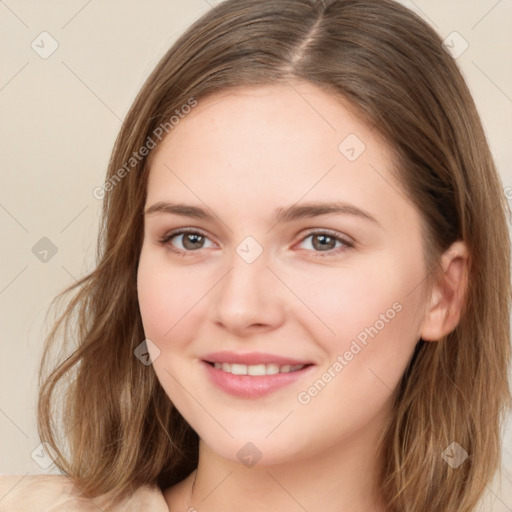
{"x": 347, "y": 245}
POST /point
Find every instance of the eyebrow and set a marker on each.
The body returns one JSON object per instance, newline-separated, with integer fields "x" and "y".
{"x": 281, "y": 215}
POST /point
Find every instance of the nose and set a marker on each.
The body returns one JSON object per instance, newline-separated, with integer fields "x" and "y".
{"x": 250, "y": 298}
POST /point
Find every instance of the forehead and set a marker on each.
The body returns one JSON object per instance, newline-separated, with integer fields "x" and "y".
{"x": 273, "y": 146}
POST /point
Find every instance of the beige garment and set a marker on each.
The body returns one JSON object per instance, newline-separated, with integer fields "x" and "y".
{"x": 57, "y": 493}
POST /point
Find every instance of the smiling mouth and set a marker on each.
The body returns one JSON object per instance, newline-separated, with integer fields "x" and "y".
{"x": 253, "y": 375}
{"x": 257, "y": 370}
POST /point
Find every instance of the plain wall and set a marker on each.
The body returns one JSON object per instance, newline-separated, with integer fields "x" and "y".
{"x": 59, "y": 118}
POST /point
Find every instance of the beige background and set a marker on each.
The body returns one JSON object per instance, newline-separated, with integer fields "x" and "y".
{"x": 59, "y": 119}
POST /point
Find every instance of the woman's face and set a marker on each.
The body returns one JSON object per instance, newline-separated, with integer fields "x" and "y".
{"x": 302, "y": 256}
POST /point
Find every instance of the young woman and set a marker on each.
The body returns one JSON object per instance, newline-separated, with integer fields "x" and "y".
{"x": 302, "y": 296}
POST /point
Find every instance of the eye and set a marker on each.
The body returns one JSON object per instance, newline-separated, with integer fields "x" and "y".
{"x": 188, "y": 240}
{"x": 326, "y": 243}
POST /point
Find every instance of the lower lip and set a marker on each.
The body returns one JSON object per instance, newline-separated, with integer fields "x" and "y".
{"x": 250, "y": 386}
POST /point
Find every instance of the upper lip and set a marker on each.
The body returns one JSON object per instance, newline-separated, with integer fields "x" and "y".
{"x": 250, "y": 358}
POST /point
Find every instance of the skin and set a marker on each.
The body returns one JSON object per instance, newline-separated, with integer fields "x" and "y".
{"x": 242, "y": 155}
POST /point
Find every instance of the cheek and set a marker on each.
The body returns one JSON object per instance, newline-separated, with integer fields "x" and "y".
{"x": 367, "y": 320}
{"x": 169, "y": 298}
{"x": 375, "y": 319}
{"x": 155, "y": 301}
{"x": 342, "y": 303}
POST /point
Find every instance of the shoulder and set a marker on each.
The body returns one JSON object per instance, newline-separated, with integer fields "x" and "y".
{"x": 35, "y": 493}
{"x": 58, "y": 493}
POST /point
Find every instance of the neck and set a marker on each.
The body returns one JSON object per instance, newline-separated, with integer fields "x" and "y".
{"x": 343, "y": 478}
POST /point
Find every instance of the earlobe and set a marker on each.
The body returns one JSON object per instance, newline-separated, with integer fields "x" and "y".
{"x": 446, "y": 302}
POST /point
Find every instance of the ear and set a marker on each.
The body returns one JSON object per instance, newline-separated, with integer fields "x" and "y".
{"x": 444, "y": 307}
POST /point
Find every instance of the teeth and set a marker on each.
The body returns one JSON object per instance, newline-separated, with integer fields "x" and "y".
{"x": 257, "y": 369}
{"x": 238, "y": 369}
{"x": 271, "y": 369}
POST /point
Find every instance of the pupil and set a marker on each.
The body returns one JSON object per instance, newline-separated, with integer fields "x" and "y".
{"x": 323, "y": 241}
{"x": 190, "y": 240}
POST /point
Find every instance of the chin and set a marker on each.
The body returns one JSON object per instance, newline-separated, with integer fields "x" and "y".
{"x": 252, "y": 448}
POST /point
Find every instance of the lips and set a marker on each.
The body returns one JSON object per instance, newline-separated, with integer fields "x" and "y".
{"x": 253, "y": 375}
{"x": 251, "y": 358}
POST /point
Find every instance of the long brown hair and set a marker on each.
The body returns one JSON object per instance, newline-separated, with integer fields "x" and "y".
{"x": 119, "y": 427}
